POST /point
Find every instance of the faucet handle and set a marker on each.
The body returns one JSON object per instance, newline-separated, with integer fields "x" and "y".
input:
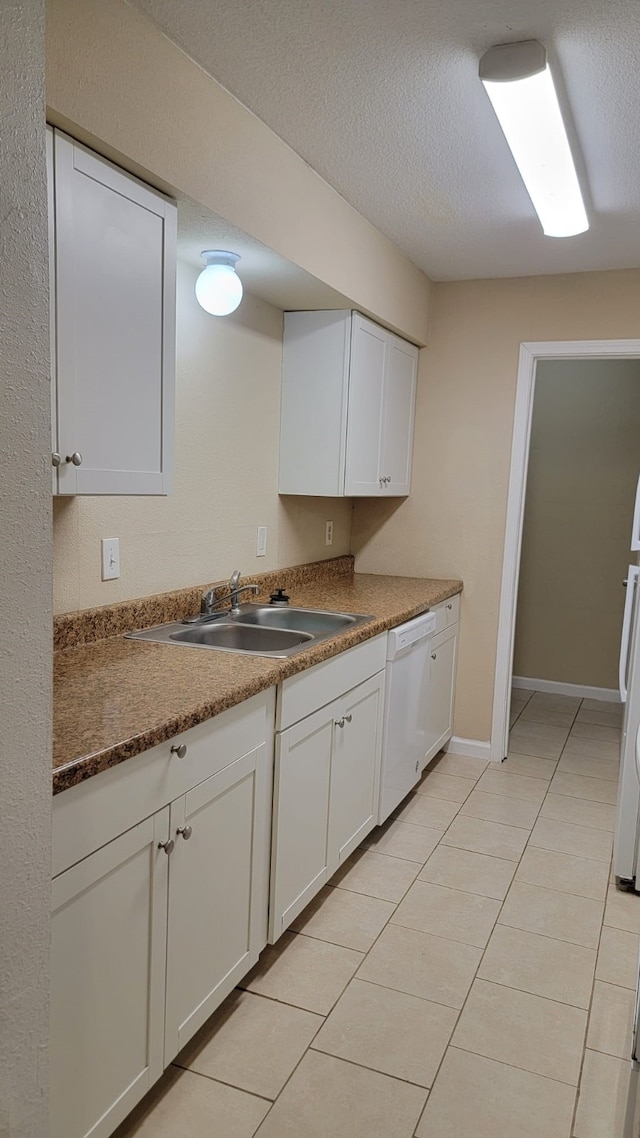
{"x": 207, "y": 602}
{"x": 235, "y": 577}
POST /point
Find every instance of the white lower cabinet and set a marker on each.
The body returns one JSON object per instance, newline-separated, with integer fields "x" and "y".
{"x": 440, "y": 691}
{"x": 156, "y": 920}
{"x": 108, "y": 945}
{"x": 217, "y": 893}
{"x": 152, "y": 930}
{"x": 326, "y": 789}
{"x": 355, "y": 769}
{"x": 302, "y": 783}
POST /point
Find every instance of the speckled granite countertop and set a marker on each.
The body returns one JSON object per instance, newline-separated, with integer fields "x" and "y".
{"x": 114, "y": 698}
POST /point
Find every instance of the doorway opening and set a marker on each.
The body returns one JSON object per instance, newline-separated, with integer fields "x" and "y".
{"x": 535, "y": 358}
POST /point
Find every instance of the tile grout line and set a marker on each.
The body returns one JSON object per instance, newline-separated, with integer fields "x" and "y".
{"x": 597, "y": 951}
{"x": 589, "y": 1011}
{"x": 389, "y": 919}
{"x": 343, "y": 990}
{"x": 479, "y": 965}
{"x": 395, "y": 905}
{"x": 590, "y": 1008}
{"x": 223, "y": 1082}
{"x": 449, "y": 1045}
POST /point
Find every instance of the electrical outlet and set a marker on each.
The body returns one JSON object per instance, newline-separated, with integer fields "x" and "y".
{"x": 110, "y": 558}
{"x": 261, "y": 546}
{"x": 328, "y": 533}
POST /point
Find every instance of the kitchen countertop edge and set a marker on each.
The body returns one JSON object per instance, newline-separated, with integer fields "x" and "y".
{"x": 84, "y": 766}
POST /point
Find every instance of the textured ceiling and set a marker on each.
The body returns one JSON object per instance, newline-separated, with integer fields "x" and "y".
{"x": 382, "y": 98}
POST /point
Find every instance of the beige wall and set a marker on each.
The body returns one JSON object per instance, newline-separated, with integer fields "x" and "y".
{"x": 25, "y": 596}
{"x": 583, "y": 470}
{"x": 113, "y": 78}
{"x": 227, "y": 421}
{"x": 453, "y": 523}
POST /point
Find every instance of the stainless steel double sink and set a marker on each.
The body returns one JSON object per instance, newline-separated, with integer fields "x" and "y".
{"x": 256, "y": 630}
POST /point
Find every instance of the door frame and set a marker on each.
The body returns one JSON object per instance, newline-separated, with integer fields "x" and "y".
{"x": 530, "y": 354}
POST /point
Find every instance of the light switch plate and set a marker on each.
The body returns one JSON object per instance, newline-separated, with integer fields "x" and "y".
{"x": 110, "y": 558}
{"x": 261, "y": 547}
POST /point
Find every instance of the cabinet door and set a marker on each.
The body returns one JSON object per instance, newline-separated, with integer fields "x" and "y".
{"x": 217, "y": 892}
{"x": 313, "y": 403}
{"x": 115, "y": 326}
{"x": 355, "y": 769}
{"x": 397, "y": 424}
{"x": 107, "y": 981}
{"x": 55, "y": 454}
{"x": 440, "y": 691}
{"x": 300, "y": 816}
{"x": 369, "y": 349}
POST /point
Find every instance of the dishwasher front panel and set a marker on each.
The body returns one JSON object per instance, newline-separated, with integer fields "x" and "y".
{"x": 406, "y": 718}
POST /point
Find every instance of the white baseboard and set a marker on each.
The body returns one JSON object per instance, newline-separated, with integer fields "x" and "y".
{"x": 475, "y": 748}
{"x": 553, "y": 687}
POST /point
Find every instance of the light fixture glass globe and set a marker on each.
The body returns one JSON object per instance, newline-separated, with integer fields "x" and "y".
{"x": 219, "y": 288}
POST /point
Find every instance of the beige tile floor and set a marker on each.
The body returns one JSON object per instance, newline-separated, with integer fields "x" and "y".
{"x": 469, "y": 973}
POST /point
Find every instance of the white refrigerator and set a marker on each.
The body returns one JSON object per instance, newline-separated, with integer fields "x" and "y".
{"x": 626, "y": 845}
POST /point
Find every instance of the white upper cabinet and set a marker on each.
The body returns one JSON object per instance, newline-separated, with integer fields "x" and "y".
{"x": 348, "y": 397}
{"x": 398, "y": 413}
{"x": 113, "y": 265}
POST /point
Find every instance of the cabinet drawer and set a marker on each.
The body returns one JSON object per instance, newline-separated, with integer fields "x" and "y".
{"x": 87, "y": 816}
{"x": 447, "y": 612}
{"x": 305, "y": 693}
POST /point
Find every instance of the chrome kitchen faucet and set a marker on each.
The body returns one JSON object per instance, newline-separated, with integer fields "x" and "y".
{"x": 210, "y": 602}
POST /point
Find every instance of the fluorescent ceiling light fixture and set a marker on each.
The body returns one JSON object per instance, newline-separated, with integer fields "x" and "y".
{"x": 219, "y": 288}
{"x": 518, "y": 81}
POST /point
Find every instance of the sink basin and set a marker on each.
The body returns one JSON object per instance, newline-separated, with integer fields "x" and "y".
{"x": 256, "y": 630}
{"x": 300, "y": 620}
{"x": 241, "y": 637}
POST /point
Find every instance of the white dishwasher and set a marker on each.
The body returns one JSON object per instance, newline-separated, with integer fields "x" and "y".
{"x": 405, "y": 740}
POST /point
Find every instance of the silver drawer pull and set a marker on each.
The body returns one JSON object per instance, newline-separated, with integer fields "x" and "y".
{"x": 185, "y": 832}
{"x": 167, "y": 846}
{"x": 449, "y": 607}
{"x": 75, "y": 458}
{"x": 349, "y": 717}
{"x": 434, "y": 655}
{"x": 339, "y": 722}
{"x": 180, "y": 750}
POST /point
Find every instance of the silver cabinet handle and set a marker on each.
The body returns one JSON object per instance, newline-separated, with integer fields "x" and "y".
{"x": 345, "y": 719}
{"x": 56, "y": 458}
{"x": 75, "y": 458}
{"x": 185, "y": 832}
{"x": 167, "y": 846}
{"x": 434, "y": 655}
{"x": 180, "y": 751}
{"x": 449, "y": 607}
{"x": 388, "y": 477}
